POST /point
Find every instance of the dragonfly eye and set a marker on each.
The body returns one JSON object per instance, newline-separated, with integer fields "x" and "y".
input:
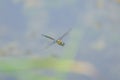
{"x": 63, "y": 44}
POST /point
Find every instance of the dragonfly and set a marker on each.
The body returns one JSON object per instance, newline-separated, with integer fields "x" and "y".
{"x": 58, "y": 41}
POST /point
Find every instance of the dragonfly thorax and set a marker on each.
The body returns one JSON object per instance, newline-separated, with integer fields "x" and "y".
{"x": 60, "y": 42}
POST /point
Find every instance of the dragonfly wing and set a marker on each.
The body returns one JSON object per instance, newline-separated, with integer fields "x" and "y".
{"x": 48, "y": 37}
{"x": 50, "y": 44}
{"x": 65, "y": 34}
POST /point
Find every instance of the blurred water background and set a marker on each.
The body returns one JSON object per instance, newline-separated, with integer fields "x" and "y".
{"x": 92, "y": 50}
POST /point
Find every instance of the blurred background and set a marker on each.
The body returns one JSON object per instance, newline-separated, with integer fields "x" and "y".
{"x": 92, "y": 47}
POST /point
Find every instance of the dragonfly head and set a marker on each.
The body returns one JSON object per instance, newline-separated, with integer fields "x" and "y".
{"x": 62, "y": 44}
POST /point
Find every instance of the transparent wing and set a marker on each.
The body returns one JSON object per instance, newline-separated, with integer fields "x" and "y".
{"x": 48, "y": 37}
{"x": 65, "y": 34}
{"x": 49, "y": 45}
